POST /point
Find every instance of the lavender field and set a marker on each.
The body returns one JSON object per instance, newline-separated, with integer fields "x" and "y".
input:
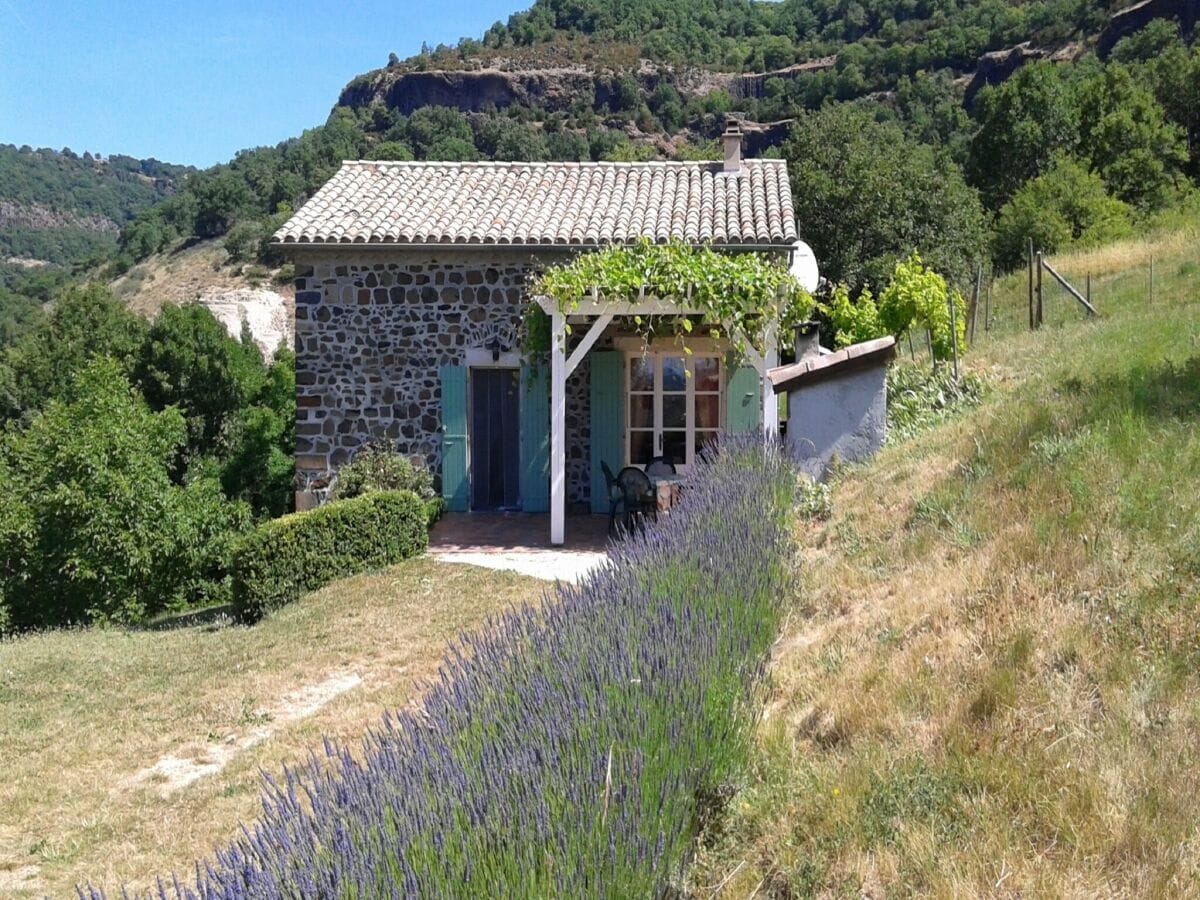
{"x": 569, "y": 750}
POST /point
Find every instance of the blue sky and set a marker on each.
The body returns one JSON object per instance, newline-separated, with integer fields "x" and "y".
{"x": 193, "y": 82}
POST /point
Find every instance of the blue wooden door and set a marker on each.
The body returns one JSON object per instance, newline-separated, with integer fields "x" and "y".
{"x": 495, "y": 439}
{"x": 608, "y": 421}
{"x": 535, "y": 438}
{"x": 743, "y": 400}
{"x": 456, "y": 489}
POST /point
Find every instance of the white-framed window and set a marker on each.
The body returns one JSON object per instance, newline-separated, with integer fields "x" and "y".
{"x": 673, "y": 405}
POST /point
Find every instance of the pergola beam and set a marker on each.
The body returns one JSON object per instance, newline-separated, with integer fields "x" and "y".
{"x": 589, "y": 340}
{"x": 647, "y": 307}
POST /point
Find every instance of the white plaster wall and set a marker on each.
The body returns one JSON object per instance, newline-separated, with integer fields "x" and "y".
{"x": 844, "y": 416}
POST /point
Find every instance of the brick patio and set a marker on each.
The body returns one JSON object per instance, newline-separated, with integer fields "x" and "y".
{"x": 520, "y": 542}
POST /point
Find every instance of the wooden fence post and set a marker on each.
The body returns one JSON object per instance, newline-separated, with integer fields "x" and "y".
{"x": 1031, "y": 284}
{"x": 975, "y": 300}
{"x": 1089, "y": 287}
{"x": 1039, "y": 289}
{"x": 987, "y": 307}
{"x": 954, "y": 334}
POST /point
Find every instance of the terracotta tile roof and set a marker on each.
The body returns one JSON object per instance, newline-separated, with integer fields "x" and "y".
{"x": 581, "y": 204}
{"x": 831, "y": 365}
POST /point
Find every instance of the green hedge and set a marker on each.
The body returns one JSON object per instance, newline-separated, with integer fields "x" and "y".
{"x": 290, "y": 556}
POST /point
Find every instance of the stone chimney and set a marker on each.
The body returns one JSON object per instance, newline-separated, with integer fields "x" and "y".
{"x": 732, "y": 139}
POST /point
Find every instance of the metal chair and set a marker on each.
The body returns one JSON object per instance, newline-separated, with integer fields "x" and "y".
{"x": 639, "y": 495}
{"x": 616, "y": 497}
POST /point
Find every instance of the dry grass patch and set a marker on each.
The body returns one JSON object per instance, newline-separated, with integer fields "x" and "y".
{"x": 86, "y": 716}
{"x": 990, "y": 685}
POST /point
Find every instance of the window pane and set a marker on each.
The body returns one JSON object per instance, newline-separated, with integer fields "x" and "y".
{"x": 641, "y": 410}
{"x": 675, "y": 411}
{"x": 703, "y": 438}
{"x": 674, "y": 373}
{"x": 641, "y": 373}
{"x": 675, "y": 447}
{"x": 708, "y": 411}
{"x": 708, "y": 373}
{"x": 641, "y": 447}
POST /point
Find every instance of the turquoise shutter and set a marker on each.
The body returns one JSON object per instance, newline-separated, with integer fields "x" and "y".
{"x": 535, "y": 438}
{"x": 743, "y": 401}
{"x": 456, "y": 487}
{"x": 608, "y": 421}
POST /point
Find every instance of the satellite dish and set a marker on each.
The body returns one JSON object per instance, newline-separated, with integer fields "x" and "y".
{"x": 804, "y": 266}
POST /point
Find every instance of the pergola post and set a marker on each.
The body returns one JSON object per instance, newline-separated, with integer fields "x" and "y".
{"x": 558, "y": 427}
{"x": 770, "y": 400}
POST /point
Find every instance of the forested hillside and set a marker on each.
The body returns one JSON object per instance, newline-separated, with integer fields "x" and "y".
{"x": 60, "y": 214}
{"x": 57, "y": 206}
{"x": 955, "y": 129}
{"x": 1089, "y": 128}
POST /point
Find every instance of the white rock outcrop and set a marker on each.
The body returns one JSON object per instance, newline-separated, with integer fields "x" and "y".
{"x": 268, "y": 314}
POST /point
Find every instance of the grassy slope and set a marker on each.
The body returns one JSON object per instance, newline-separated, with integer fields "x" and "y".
{"x": 81, "y": 712}
{"x": 990, "y": 686}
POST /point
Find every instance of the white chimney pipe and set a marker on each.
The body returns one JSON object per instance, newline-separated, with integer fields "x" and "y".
{"x": 733, "y": 146}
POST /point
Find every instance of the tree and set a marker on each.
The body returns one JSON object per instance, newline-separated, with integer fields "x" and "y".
{"x": 394, "y": 150}
{"x": 432, "y": 125}
{"x": 1067, "y": 206}
{"x": 143, "y": 237}
{"x": 453, "y": 149}
{"x": 190, "y": 362}
{"x": 931, "y": 108}
{"x": 1025, "y": 123}
{"x": 261, "y": 439}
{"x": 1174, "y": 76}
{"x": 1125, "y": 134}
{"x": 91, "y": 526}
{"x": 85, "y": 323}
{"x": 667, "y": 106}
{"x": 865, "y": 195}
{"x": 520, "y": 143}
{"x": 568, "y": 146}
{"x": 220, "y": 199}
{"x": 243, "y": 240}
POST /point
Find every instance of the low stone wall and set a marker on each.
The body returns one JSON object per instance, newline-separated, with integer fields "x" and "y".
{"x": 373, "y": 328}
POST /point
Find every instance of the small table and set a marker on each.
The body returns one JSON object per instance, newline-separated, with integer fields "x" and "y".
{"x": 666, "y": 490}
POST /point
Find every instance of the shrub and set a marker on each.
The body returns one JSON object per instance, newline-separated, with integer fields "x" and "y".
{"x": 917, "y": 297}
{"x": 567, "y": 750}
{"x": 93, "y": 528}
{"x": 378, "y": 467}
{"x": 434, "y": 510}
{"x": 287, "y": 557}
{"x": 853, "y": 321}
{"x": 243, "y": 240}
{"x": 814, "y": 500}
{"x": 1068, "y": 206}
{"x": 919, "y": 398}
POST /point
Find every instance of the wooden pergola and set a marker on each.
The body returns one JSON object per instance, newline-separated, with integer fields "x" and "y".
{"x": 599, "y": 314}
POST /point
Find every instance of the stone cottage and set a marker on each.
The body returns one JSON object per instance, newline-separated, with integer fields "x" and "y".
{"x": 410, "y": 292}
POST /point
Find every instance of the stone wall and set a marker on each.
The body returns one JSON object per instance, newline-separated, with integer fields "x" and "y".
{"x": 372, "y": 330}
